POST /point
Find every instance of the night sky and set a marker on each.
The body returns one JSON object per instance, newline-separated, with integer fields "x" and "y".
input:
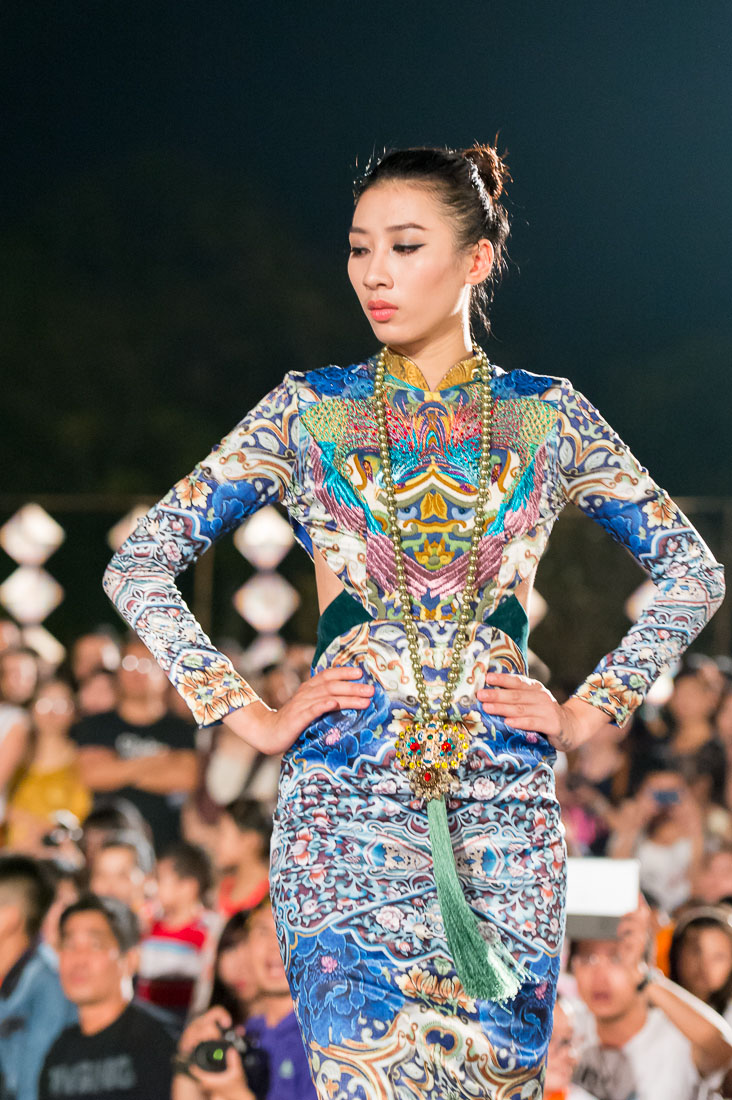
{"x": 138, "y": 332}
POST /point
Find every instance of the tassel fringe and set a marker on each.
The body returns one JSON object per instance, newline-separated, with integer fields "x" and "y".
{"x": 486, "y": 968}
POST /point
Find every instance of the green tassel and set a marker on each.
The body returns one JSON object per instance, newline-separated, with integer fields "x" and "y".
{"x": 486, "y": 968}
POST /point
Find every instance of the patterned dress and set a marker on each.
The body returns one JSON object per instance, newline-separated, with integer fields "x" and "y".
{"x": 381, "y": 1008}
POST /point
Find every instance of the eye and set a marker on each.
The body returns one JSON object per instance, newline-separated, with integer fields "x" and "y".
{"x": 355, "y": 250}
{"x": 405, "y": 249}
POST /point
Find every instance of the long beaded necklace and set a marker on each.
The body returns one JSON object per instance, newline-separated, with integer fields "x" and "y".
{"x": 434, "y": 744}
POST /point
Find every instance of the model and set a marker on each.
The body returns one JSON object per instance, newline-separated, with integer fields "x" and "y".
{"x": 418, "y": 859}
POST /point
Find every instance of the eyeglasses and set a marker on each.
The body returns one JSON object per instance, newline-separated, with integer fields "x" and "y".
{"x": 613, "y": 959}
{"x": 142, "y": 665}
{"x": 52, "y": 706}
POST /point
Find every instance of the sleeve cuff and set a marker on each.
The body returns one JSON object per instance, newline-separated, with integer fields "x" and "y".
{"x": 609, "y": 694}
{"x": 212, "y": 690}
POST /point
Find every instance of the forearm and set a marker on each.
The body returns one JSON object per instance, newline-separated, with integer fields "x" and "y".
{"x": 102, "y": 770}
{"x": 167, "y": 773}
{"x": 707, "y": 1031}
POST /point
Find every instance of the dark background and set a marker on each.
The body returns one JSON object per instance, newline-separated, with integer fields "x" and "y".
{"x": 177, "y": 193}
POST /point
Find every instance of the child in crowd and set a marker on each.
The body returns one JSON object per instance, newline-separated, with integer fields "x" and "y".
{"x": 243, "y": 836}
{"x": 124, "y": 868}
{"x": 171, "y": 957}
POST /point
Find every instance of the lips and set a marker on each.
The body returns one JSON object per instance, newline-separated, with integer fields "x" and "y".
{"x": 381, "y": 310}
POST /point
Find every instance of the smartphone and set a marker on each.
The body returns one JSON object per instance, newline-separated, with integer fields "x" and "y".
{"x": 599, "y": 893}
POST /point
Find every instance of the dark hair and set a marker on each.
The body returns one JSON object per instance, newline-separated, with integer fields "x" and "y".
{"x": 135, "y": 843}
{"x": 191, "y": 861}
{"x": 699, "y": 918}
{"x": 234, "y": 931}
{"x": 122, "y": 921}
{"x": 30, "y": 882}
{"x": 249, "y": 816}
{"x": 468, "y": 183}
{"x": 114, "y": 814}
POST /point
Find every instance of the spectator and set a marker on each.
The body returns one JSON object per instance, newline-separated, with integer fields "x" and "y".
{"x": 19, "y": 675}
{"x": 51, "y": 780}
{"x": 233, "y": 980}
{"x": 10, "y": 635}
{"x": 645, "y": 1037}
{"x": 123, "y": 868}
{"x": 110, "y": 816}
{"x": 272, "y": 1026}
{"x": 139, "y": 749}
{"x": 92, "y": 652}
{"x": 14, "y": 737}
{"x": 171, "y": 957}
{"x": 98, "y": 693}
{"x": 663, "y": 828}
{"x": 713, "y": 880}
{"x": 242, "y": 851}
{"x": 701, "y": 956}
{"x": 118, "y": 1050}
{"x": 33, "y": 1008}
{"x": 66, "y": 883}
{"x": 562, "y": 1057}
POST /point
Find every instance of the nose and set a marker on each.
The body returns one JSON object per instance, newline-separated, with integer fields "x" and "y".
{"x": 376, "y": 273}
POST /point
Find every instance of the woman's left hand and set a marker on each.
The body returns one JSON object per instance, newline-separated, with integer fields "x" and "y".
{"x": 527, "y": 704}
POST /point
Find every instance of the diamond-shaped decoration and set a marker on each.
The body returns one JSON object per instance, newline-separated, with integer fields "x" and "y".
{"x": 48, "y": 648}
{"x": 266, "y": 649}
{"x": 266, "y": 602}
{"x": 31, "y": 535}
{"x": 265, "y": 538}
{"x": 124, "y": 527}
{"x": 30, "y": 594}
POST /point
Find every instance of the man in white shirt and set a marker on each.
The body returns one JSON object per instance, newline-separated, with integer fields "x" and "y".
{"x": 645, "y": 1037}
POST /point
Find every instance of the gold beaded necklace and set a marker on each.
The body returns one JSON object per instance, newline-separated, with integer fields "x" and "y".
{"x": 433, "y": 745}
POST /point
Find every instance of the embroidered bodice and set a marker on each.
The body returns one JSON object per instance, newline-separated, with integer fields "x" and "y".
{"x": 311, "y": 444}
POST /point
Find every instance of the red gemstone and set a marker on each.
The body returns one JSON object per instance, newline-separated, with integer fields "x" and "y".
{"x": 414, "y": 746}
{"x": 446, "y": 746}
{"x": 427, "y": 776}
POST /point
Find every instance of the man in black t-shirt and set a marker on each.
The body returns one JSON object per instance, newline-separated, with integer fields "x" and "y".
{"x": 119, "y": 1050}
{"x": 140, "y": 750}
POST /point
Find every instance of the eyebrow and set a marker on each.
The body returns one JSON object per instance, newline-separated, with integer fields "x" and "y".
{"x": 391, "y": 228}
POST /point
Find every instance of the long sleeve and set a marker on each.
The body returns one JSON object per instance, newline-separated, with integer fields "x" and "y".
{"x": 598, "y": 473}
{"x": 254, "y": 465}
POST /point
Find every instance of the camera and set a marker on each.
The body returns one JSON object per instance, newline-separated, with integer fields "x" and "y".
{"x": 210, "y": 1055}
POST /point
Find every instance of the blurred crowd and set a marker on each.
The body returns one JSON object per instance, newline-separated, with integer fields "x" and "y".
{"x": 138, "y": 955}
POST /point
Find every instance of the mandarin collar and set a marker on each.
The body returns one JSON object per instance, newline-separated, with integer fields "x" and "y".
{"x": 404, "y": 368}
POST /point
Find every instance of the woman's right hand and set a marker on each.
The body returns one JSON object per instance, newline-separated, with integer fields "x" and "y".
{"x": 274, "y": 731}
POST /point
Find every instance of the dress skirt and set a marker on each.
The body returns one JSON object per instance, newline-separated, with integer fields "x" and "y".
{"x": 381, "y": 1009}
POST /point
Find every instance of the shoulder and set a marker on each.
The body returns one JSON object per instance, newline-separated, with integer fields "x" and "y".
{"x": 96, "y": 729}
{"x": 353, "y": 381}
{"x": 553, "y": 389}
{"x": 151, "y": 1023}
{"x": 67, "y": 1039}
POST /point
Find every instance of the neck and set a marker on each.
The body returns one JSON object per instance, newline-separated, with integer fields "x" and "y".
{"x": 52, "y": 751}
{"x": 141, "y": 712}
{"x": 435, "y": 355}
{"x": 182, "y": 916}
{"x": 693, "y": 732}
{"x": 94, "y": 1018}
{"x": 11, "y": 948}
{"x": 273, "y": 1006}
{"x": 620, "y": 1030}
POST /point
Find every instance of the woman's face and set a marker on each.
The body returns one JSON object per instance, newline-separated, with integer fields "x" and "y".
{"x": 705, "y": 961}
{"x": 54, "y": 708}
{"x": 409, "y": 276}
{"x": 235, "y": 970}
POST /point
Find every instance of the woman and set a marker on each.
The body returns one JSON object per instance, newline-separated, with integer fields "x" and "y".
{"x": 52, "y": 781}
{"x": 415, "y": 478}
{"x": 701, "y": 955}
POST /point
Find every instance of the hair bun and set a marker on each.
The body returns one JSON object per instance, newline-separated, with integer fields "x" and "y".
{"x": 490, "y": 167}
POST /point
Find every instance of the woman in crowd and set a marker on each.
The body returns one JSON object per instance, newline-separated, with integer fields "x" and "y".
{"x": 51, "y": 782}
{"x": 418, "y": 860}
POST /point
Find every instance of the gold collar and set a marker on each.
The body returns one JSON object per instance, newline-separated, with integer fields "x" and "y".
{"x": 400, "y": 366}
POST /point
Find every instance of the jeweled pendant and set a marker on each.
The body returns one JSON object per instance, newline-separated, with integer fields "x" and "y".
{"x": 430, "y": 751}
